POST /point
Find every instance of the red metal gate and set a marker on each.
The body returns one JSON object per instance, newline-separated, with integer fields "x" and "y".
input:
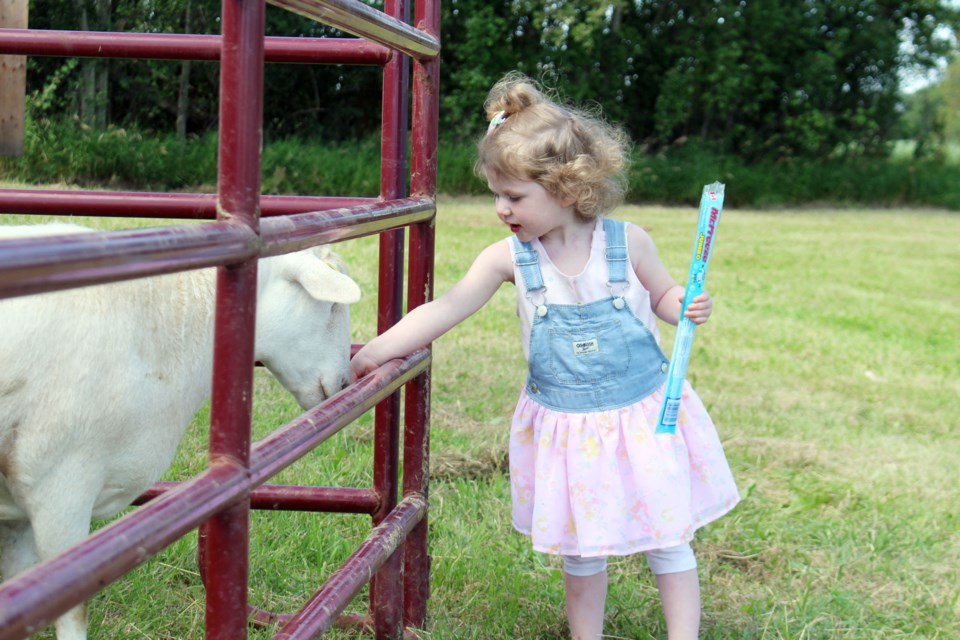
{"x": 218, "y": 500}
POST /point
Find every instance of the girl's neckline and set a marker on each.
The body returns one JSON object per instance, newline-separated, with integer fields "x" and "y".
{"x": 594, "y": 238}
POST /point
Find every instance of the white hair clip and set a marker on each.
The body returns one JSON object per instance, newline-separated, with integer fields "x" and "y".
{"x": 498, "y": 119}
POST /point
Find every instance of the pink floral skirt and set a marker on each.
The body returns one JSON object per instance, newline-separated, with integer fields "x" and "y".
{"x": 603, "y": 483}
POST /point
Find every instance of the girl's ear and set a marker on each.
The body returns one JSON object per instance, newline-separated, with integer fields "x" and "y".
{"x": 568, "y": 200}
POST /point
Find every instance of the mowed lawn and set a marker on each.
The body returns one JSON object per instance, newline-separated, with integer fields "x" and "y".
{"x": 831, "y": 366}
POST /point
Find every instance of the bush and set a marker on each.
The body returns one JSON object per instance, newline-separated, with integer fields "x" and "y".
{"x": 292, "y": 166}
{"x": 66, "y": 151}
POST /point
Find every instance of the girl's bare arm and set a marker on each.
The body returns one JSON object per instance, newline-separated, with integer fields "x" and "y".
{"x": 666, "y": 296}
{"x": 429, "y": 321}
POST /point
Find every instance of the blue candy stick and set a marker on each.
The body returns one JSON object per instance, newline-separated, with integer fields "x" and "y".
{"x": 711, "y": 204}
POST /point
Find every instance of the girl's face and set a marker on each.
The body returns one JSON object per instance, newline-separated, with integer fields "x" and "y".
{"x": 528, "y": 209}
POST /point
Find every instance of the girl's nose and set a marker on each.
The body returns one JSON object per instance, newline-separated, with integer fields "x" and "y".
{"x": 502, "y": 209}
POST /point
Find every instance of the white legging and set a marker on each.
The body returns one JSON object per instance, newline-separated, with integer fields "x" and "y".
{"x": 669, "y": 560}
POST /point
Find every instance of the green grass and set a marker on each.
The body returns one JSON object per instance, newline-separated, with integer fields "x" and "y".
{"x": 831, "y": 367}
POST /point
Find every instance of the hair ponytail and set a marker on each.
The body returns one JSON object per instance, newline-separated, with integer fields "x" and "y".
{"x": 570, "y": 152}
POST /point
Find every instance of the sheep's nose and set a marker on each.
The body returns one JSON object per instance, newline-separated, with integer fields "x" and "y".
{"x": 331, "y": 389}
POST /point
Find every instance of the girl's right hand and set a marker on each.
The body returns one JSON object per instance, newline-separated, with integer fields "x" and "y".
{"x": 361, "y": 365}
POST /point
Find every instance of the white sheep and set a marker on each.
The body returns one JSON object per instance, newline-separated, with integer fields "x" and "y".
{"x": 98, "y": 384}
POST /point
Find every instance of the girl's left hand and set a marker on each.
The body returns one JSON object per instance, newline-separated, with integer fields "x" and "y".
{"x": 699, "y": 310}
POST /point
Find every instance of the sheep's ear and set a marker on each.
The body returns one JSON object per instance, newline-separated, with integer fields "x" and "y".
{"x": 325, "y": 282}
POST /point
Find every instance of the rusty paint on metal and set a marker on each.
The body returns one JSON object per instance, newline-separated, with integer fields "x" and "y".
{"x": 362, "y": 20}
{"x": 145, "y": 204}
{"x": 35, "y": 265}
{"x": 178, "y": 46}
{"x": 320, "y": 612}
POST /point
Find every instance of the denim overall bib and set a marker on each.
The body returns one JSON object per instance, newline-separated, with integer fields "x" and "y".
{"x": 589, "y": 357}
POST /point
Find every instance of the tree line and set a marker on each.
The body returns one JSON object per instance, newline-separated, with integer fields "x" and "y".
{"x": 762, "y": 80}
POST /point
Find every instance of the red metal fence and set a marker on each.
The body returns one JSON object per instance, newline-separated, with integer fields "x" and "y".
{"x": 218, "y": 500}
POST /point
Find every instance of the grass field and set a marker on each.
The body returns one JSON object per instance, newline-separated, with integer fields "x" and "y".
{"x": 831, "y": 366}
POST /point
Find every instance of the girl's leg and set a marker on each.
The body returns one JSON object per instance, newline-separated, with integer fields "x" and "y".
{"x": 680, "y": 597}
{"x": 679, "y": 585}
{"x": 585, "y": 580}
{"x": 586, "y": 599}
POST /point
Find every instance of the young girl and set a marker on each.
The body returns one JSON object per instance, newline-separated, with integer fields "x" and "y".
{"x": 590, "y": 477}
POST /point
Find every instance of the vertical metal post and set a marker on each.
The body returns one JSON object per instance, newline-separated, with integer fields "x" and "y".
{"x": 386, "y": 586}
{"x": 225, "y": 537}
{"x": 426, "y": 106}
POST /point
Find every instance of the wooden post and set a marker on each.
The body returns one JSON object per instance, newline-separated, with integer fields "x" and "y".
{"x": 13, "y": 82}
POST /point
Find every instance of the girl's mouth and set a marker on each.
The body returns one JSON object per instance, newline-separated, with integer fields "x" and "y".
{"x": 515, "y": 228}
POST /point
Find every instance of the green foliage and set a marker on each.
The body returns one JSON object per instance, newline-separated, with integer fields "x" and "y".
{"x": 455, "y": 173}
{"x": 66, "y": 151}
{"x": 45, "y": 99}
{"x": 932, "y": 116}
{"x": 292, "y": 167}
{"x": 678, "y": 175}
{"x": 333, "y": 101}
{"x": 759, "y": 80}
{"x": 949, "y": 93}
{"x": 762, "y": 80}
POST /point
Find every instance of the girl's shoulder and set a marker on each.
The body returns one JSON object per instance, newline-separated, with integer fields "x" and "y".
{"x": 640, "y": 246}
{"x": 637, "y": 236}
{"x": 497, "y": 259}
{"x": 632, "y": 230}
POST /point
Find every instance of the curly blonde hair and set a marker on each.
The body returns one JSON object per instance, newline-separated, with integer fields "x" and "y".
{"x": 568, "y": 151}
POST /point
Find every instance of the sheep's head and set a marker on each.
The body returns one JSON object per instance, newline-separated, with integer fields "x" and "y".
{"x": 303, "y": 322}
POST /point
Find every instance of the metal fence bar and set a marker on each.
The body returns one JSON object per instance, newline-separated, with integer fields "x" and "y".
{"x": 322, "y": 610}
{"x": 363, "y": 20}
{"x": 37, "y": 265}
{"x": 288, "y": 233}
{"x": 293, "y": 498}
{"x": 51, "y": 263}
{"x": 284, "y": 446}
{"x": 185, "y": 46}
{"x": 146, "y": 204}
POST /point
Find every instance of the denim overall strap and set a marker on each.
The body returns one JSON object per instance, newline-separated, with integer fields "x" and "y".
{"x": 616, "y": 252}
{"x": 527, "y": 262}
{"x": 616, "y": 255}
